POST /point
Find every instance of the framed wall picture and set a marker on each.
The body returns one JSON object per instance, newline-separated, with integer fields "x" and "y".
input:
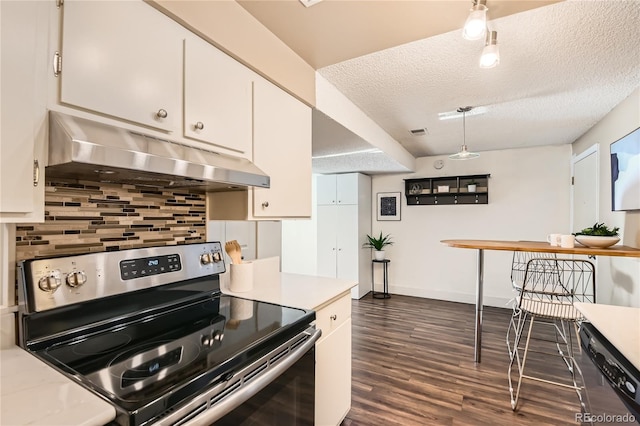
{"x": 388, "y": 206}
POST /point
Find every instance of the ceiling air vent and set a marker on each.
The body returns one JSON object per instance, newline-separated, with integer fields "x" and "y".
{"x": 419, "y": 132}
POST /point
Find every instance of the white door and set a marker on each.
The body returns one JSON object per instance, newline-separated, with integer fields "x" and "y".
{"x": 327, "y": 229}
{"x": 585, "y": 189}
{"x": 347, "y": 242}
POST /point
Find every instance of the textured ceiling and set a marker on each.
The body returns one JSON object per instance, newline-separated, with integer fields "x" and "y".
{"x": 563, "y": 67}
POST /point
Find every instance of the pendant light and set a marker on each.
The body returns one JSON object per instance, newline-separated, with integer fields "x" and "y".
{"x": 490, "y": 54}
{"x": 476, "y": 25}
{"x": 464, "y": 154}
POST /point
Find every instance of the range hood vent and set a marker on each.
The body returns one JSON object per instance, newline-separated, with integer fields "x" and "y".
{"x": 83, "y": 149}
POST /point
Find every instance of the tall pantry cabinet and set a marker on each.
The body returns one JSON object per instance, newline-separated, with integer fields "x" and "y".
{"x": 344, "y": 220}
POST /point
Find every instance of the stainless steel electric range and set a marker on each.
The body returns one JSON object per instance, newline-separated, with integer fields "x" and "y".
{"x": 149, "y": 331}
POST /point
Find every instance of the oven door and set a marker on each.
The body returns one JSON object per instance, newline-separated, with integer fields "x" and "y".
{"x": 611, "y": 381}
{"x": 278, "y": 389}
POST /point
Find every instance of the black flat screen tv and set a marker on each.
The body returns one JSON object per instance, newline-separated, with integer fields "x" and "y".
{"x": 625, "y": 172}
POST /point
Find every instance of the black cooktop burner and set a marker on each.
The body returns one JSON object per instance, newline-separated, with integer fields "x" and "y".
{"x": 144, "y": 359}
{"x": 101, "y": 344}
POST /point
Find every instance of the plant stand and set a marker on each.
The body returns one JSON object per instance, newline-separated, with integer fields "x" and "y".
{"x": 385, "y": 283}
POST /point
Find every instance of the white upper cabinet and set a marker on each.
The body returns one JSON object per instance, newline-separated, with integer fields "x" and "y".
{"x": 23, "y": 120}
{"x": 282, "y": 149}
{"x": 123, "y": 59}
{"x": 337, "y": 189}
{"x": 217, "y": 97}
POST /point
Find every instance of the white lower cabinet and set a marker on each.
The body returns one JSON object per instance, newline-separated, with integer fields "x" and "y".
{"x": 333, "y": 362}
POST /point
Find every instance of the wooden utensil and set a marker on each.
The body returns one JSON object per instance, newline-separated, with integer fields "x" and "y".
{"x": 233, "y": 250}
{"x": 239, "y": 249}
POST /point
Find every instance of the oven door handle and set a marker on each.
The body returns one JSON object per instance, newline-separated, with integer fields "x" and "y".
{"x": 234, "y": 400}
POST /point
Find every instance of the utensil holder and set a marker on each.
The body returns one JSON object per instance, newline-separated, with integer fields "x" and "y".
{"x": 241, "y": 279}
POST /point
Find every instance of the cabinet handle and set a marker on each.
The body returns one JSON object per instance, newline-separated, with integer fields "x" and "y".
{"x": 265, "y": 204}
{"x": 162, "y": 113}
{"x": 334, "y": 317}
{"x": 36, "y": 172}
{"x": 199, "y": 125}
{"x": 57, "y": 64}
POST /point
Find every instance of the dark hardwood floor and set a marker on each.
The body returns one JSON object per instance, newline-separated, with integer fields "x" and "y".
{"x": 413, "y": 365}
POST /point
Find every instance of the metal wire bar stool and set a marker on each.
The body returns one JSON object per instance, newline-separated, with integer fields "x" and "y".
{"x": 519, "y": 262}
{"x": 550, "y": 287}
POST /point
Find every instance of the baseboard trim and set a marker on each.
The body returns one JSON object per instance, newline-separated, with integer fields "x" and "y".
{"x": 450, "y": 296}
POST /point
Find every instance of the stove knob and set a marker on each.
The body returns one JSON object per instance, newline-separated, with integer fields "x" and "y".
{"x": 51, "y": 282}
{"x": 217, "y": 256}
{"x": 206, "y": 258}
{"x": 206, "y": 340}
{"x": 76, "y": 278}
{"x": 217, "y": 336}
{"x": 209, "y": 339}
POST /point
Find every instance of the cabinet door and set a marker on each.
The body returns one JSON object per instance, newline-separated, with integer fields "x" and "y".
{"x": 327, "y": 251}
{"x": 217, "y": 97}
{"x": 282, "y": 149}
{"x": 123, "y": 59}
{"x": 347, "y": 188}
{"x": 347, "y": 243}
{"x": 333, "y": 376}
{"x": 326, "y": 189}
{"x": 24, "y": 31}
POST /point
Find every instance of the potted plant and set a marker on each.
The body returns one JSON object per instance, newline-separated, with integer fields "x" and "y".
{"x": 471, "y": 186}
{"x": 378, "y": 244}
{"x": 599, "y": 235}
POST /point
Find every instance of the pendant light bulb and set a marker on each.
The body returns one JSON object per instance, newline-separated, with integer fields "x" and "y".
{"x": 464, "y": 153}
{"x": 476, "y": 25}
{"x": 490, "y": 54}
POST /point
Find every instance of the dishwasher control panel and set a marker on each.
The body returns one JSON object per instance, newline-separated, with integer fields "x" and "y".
{"x": 623, "y": 377}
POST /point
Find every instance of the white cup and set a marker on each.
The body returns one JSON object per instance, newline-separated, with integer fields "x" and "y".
{"x": 554, "y": 239}
{"x": 567, "y": 241}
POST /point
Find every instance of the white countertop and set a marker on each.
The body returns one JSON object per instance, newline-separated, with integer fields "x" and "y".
{"x": 33, "y": 393}
{"x": 295, "y": 290}
{"x": 620, "y": 325}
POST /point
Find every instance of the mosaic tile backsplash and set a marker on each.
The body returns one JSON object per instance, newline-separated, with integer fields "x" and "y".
{"x": 82, "y": 217}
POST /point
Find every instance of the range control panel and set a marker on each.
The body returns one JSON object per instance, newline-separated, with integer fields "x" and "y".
{"x": 135, "y": 268}
{"x": 48, "y": 283}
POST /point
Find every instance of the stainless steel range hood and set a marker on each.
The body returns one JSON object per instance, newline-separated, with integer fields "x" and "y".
{"x": 88, "y": 150}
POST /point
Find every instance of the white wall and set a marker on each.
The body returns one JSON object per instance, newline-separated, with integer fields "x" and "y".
{"x": 529, "y": 197}
{"x": 618, "y": 279}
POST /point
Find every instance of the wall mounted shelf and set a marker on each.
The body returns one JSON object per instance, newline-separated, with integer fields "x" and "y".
{"x": 447, "y": 190}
